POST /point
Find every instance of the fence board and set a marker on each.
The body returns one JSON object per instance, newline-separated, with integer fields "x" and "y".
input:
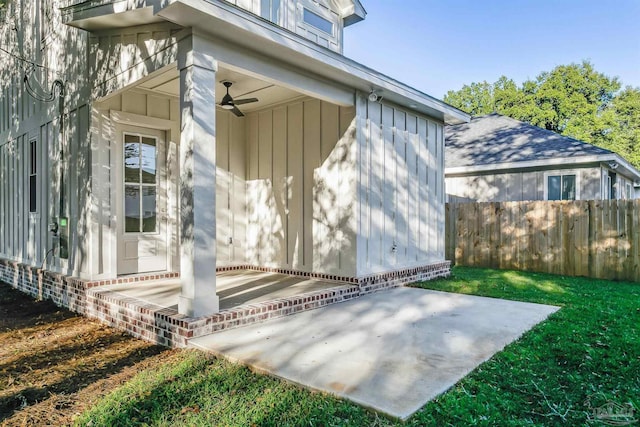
{"x": 597, "y": 238}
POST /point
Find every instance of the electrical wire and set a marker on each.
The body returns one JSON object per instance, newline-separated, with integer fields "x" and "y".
{"x": 23, "y": 59}
{"x": 57, "y": 89}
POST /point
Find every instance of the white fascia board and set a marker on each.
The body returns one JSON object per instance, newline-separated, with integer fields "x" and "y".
{"x": 538, "y": 164}
{"x": 628, "y": 167}
{"x": 352, "y": 11}
{"x": 532, "y": 164}
{"x": 228, "y": 22}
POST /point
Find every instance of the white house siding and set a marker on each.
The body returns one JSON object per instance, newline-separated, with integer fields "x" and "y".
{"x": 518, "y": 186}
{"x": 145, "y": 106}
{"x": 401, "y": 190}
{"x": 290, "y": 16}
{"x": 26, "y": 31}
{"x": 231, "y": 220}
{"x": 301, "y": 187}
{"x": 122, "y": 57}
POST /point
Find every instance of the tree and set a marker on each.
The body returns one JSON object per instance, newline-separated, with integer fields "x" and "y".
{"x": 476, "y": 99}
{"x": 573, "y": 100}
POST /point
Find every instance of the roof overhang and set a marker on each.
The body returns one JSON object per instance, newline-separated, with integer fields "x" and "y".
{"x": 623, "y": 167}
{"x": 98, "y": 15}
{"x": 221, "y": 20}
{"x": 352, "y": 11}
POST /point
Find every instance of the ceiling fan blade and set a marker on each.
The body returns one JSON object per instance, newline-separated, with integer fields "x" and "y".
{"x": 245, "y": 101}
{"x": 237, "y": 112}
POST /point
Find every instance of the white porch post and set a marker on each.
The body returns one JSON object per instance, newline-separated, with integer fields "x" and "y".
{"x": 197, "y": 181}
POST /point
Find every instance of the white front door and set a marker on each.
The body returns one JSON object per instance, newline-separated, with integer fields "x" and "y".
{"x": 141, "y": 199}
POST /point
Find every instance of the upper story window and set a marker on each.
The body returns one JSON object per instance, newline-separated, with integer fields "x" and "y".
{"x": 318, "y": 21}
{"x": 270, "y": 9}
{"x": 561, "y": 187}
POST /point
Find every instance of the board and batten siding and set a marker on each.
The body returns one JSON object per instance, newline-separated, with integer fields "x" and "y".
{"x": 231, "y": 210}
{"x": 301, "y": 187}
{"x": 121, "y": 57}
{"x": 400, "y": 188}
{"x": 230, "y": 178}
{"x": 519, "y": 186}
{"x": 290, "y": 15}
{"x": 27, "y": 29}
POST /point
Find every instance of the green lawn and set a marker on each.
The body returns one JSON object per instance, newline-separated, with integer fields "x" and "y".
{"x": 583, "y": 356}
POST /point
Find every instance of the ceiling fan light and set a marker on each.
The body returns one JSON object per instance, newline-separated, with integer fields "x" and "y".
{"x": 227, "y": 102}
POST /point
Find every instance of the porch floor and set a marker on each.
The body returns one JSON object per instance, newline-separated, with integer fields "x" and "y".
{"x": 234, "y": 288}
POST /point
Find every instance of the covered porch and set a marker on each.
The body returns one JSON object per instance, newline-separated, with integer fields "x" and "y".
{"x": 188, "y": 184}
{"x": 235, "y": 288}
{"x": 316, "y": 176}
{"x": 148, "y": 309}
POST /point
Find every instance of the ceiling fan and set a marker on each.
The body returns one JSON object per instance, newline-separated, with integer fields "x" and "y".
{"x": 228, "y": 103}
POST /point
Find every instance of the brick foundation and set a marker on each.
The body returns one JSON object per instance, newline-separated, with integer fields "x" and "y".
{"x": 165, "y": 326}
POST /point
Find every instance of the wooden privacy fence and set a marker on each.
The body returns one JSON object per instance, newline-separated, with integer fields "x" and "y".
{"x": 598, "y": 238}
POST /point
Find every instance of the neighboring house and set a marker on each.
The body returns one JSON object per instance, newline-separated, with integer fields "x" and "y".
{"x": 496, "y": 158}
{"x": 143, "y": 164}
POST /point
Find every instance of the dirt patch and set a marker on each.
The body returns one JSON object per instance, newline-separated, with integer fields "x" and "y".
{"x": 54, "y": 364}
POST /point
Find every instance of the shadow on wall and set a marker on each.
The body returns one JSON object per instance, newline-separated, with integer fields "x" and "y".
{"x": 61, "y": 138}
{"x": 301, "y": 188}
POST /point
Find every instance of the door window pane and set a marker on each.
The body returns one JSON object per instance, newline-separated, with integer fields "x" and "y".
{"x": 148, "y": 160}
{"x": 140, "y": 188}
{"x": 132, "y": 208}
{"x": 148, "y": 209}
{"x": 131, "y": 159}
{"x": 568, "y": 187}
{"x": 553, "y": 192}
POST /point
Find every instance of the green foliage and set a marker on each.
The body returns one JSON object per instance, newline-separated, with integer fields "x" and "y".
{"x": 573, "y": 100}
{"x": 583, "y": 356}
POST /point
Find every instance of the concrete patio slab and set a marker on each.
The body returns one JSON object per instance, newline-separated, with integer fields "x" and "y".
{"x": 391, "y": 351}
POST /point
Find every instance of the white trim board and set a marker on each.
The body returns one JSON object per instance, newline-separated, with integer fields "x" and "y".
{"x": 139, "y": 120}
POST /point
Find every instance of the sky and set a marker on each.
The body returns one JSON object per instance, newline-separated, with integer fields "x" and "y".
{"x": 436, "y": 46}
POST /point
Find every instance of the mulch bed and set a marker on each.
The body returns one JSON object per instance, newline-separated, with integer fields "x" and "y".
{"x": 54, "y": 364}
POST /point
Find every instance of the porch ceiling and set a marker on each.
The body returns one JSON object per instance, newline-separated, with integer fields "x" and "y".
{"x": 168, "y": 83}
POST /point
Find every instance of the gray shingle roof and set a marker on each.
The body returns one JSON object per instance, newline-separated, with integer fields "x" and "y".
{"x": 494, "y": 139}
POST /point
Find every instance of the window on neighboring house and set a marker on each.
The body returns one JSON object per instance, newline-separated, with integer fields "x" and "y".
{"x": 33, "y": 176}
{"x": 561, "y": 187}
{"x": 612, "y": 183}
{"x": 318, "y": 21}
{"x": 140, "y": 184}
{"x": 629, "y": 191}
{"x": 270, "y": 9}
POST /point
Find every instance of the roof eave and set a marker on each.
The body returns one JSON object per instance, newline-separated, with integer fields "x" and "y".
{"x": 242, "y": 27}
{"x": 353, "y": 13}
{"x": 560, "y": 161}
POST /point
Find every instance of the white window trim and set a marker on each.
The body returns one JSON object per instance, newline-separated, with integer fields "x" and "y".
{"x": 576, "y": 172}
{"x": 321, "y": 11}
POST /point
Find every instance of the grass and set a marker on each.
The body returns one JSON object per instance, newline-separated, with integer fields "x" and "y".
{"x": 201, "y": 390}
{"x": 586, "y": 354}
{"x": 583, "y": 356}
